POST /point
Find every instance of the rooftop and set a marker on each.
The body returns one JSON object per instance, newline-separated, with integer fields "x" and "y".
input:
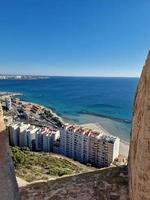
{"x": 91, "y": 133}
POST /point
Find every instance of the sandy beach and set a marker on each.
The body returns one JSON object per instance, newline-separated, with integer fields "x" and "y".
{"x": 124, "y": 146}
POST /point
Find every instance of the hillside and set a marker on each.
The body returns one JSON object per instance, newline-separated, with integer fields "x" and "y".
{"x": 32, "y": 166}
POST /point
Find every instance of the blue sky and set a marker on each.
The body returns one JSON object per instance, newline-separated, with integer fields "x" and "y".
{"x": 74, "y": 37}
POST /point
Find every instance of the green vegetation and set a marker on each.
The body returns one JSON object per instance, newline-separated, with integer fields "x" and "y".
{"x": 57, "y": 121}
{"x": 48, "y": 115}
{"x": 33, "y": 166}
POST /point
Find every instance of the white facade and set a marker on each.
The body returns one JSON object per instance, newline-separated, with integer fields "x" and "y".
{"x": 31, "y": 132}
{"x": 38, "y": 140}
{"x": 23, "y": 134}
{"x": 70, "y": 142}
{"x": 55, "y": 136}
{"x": 83, "y": 145}
{"x": 78, "y": 144}
{"x": 14, "y": 135}
{"x": 116, "y": 148}
{"x": 63, "y": 139}
{"x": 107, "y": 150}
{"x": 85, "y": 152}
{"x": 8, "y": 102}
{"x": 46, "y": 141}
{"x": 88, "y": 146}
{"x": 35, "y": 138}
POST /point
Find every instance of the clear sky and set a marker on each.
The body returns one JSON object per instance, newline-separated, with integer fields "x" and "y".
{"x": 74, "y": 37}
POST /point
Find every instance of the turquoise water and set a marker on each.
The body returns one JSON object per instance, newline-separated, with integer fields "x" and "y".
{"x": 104, "y": 101}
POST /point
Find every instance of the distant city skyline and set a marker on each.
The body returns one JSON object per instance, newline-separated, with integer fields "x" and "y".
{"x": 48, "y": 76}
{"x": 74, "y": 38}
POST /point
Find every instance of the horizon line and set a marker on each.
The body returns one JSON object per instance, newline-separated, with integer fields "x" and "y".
{"x": 73, "y": 76}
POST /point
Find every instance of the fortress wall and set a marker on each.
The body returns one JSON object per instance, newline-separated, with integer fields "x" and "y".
{"x": 107, "y": 184}
{"x": 8, "y": 185}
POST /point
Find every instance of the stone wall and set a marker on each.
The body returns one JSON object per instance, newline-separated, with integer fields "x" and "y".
{"x": 139, "y": 156}
{"x": 8, "y": 185}
{"x": 107, "y": 184}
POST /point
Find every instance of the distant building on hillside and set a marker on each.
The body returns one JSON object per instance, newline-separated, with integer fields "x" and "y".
{"x": 38, "y": 139}
{"x": 8, "y": 102}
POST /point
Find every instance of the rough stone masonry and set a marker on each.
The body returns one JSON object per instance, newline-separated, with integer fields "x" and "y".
{"x": 139, "y": 155}
{"x": 8, "y": 184}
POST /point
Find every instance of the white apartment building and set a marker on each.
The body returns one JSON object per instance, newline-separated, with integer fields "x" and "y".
{"x": 74, "y": 143}
{"x": 83, "y": 145}
{"x": 8, "y": 102}
{"x": 63, "y": 139}
{"x": 46, "y": 140}
{"x": 78, "y": 144}
{"x": 103, "y": 149}
{"x": 85, "y": 151}
{"x": 14, "y": 135}
{"x": 88, "y": 146}
{"x": 93, "y": 147}
{"x": 70, "y": 141}
{"x": 23, "y": 140}
{"x": 39, "y": 140}
{"x": 110, "y": 150}
{"x": 54, "y": 143}
{"x": 31, "y": 132}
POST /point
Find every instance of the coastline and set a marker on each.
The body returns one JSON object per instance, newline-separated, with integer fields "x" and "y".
{"x": 43, "y": 107}
{"x": 11, "y": 94}
{"x": 124, "y": 145}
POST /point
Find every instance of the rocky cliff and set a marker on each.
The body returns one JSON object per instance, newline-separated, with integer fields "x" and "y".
{"x": 139, "y": 156}
{"x": 8, "y": 184}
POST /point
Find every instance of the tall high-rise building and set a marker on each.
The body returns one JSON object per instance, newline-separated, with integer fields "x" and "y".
{"x": 31, "y": 132}
{"x": 88, "y": 146}
{"x": 46, "y": 140}
{"x": 14, "y": 135}
{"x": 39, "y": 140}
{"x": 23, "y": 141}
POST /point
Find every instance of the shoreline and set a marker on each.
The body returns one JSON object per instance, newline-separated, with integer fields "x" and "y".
{"x": 11, "y": 94}
{"x": 124, "y": 145}
{"x": 44, "y": 107}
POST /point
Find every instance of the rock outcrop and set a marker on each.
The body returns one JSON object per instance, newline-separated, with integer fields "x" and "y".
{"x": 8, "y": 184}
{"x": 106, "y": 184}
{"x": 139, "y": 155}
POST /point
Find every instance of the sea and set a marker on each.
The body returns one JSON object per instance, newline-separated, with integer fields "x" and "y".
{"x": 107, "y": 102}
